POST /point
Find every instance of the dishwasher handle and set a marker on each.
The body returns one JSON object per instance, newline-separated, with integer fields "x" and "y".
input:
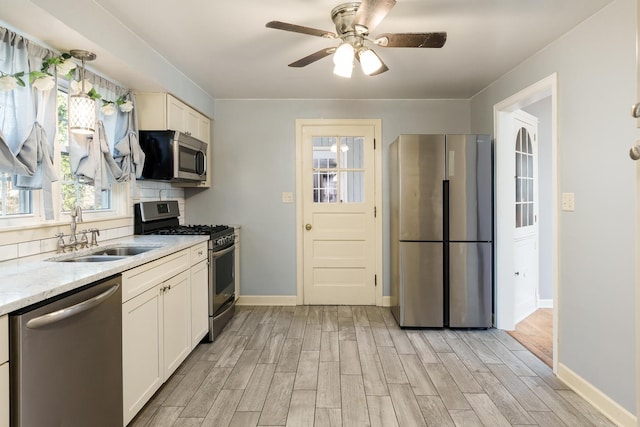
{"x": 56, "y": 316}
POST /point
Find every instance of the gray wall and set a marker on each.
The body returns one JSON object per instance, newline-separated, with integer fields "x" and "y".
{"x": 254, "y": 161}
{"x": 596, "y": 66}
{"x": 542, "y": 110}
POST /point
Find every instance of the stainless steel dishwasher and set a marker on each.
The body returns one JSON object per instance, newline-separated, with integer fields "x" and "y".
{"x": 66, "y": 359}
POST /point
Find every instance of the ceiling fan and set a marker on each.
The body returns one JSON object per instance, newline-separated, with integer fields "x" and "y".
{"x": 354, "y": 21}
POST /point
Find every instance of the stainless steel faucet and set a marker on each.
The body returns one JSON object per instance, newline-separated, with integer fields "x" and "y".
{"x": 76, "y": 217}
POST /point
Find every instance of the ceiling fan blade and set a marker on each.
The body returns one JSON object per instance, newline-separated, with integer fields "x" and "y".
{"x": 371, "y": 12}
{"x": 278, "y": 25}
{"x": 303, "y": 62}
{"x": 412, "y": 39}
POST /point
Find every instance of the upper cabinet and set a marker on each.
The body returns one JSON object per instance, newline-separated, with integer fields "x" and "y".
{"x": 160, "y": 111}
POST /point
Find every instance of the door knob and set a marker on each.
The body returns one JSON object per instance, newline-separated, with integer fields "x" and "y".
{"x": 307, "y": 227}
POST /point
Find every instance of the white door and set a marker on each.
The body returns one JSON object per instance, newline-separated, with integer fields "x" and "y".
{"x": 338, "y": 214}
{"x": 526, "y": 215}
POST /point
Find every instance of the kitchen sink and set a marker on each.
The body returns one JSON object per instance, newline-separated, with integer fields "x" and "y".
{"x": 110, "y": 253}
{"x": 123, "y": 251}
{"x": 92, "y": 258}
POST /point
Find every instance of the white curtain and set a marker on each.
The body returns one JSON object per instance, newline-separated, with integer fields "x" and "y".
{"x": 27, "y": 119}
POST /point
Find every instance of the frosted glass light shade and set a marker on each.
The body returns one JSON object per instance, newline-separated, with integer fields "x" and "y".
{"x": 369, "y": 61}
{"x": 344, "y": 54}
{"x": 343, "y": 70}
{"x": 82, "y": 114}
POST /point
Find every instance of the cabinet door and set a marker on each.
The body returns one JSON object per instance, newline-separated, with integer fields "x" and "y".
{"x": 204, "y": 129}
{"x": 176, "y": 321}
{"x": 192, "y": 117}
{"x": 141, "y": 350}
{"x": 199, "y": 302}
{"x": 176, "y": 114}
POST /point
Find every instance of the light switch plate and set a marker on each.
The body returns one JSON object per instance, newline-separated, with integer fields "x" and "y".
{"x": 568, "y": 202}
{"x": 287, "y": 197}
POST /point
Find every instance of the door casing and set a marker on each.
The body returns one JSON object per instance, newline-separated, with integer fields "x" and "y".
{"x": 377, "y": 124}
{"x": 504, "y": 221}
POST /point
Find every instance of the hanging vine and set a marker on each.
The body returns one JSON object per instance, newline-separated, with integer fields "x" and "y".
{"x": 44, "y": 80}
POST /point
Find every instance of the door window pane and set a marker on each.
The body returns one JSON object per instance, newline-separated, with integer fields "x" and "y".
{"x": 352, "y": 187}
{"x": 343, "y": 182}
{"x": 524, "y": 182}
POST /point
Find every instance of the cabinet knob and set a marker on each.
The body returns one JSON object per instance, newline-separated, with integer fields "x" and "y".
{"x": 308, "y": 227}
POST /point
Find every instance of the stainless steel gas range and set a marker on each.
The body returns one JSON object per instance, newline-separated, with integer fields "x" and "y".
{"x": 162, "y": 218}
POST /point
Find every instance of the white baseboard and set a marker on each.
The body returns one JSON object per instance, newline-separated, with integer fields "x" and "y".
{"x": 545, "y": 303}
{"x": 266, "y": 300}
{"x": 616, "y": 413}
{"x": 386, "y": 301}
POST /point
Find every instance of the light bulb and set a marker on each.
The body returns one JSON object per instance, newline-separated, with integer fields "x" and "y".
{"x": 343, "y": 70}
{"x": 344, "y": 54}
{"x": 369, "y": 61}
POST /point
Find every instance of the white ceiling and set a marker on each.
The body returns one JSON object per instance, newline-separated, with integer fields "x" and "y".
{"x": 226, "y": 50}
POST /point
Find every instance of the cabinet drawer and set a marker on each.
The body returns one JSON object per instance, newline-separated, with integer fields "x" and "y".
{"x": 139, "y": 279}
{"x": 4, "y": 339}
{"x": 199, "y": 253}
{"x": 4, "y": 395}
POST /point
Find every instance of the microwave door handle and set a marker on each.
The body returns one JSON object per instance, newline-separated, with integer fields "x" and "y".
{"x": 204, "y": 163}
{"x": 176, "y": 158}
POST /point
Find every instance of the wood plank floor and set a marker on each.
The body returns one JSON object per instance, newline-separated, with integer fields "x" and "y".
{"x": 352, "y": 366}
{"x": 536, "y": 334}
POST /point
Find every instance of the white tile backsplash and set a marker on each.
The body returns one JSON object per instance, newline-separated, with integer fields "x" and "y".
{"x": 29, "y": 248}
{"x": 8, "y": 252}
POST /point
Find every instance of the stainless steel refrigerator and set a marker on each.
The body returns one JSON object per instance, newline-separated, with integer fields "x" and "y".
{"x": 441, "y": 230}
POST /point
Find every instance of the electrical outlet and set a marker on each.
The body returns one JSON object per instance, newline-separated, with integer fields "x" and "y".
{"x": 568, "y": 202}
{"x": 287, "y": 197}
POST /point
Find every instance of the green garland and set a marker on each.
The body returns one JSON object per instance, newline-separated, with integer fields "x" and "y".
{"x": 10, "y": 81}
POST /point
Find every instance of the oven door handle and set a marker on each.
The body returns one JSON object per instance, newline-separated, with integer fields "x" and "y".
{"x": 222, "y": 252}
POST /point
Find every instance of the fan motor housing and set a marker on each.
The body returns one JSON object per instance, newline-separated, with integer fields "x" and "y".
{"x": 342, "y": 16}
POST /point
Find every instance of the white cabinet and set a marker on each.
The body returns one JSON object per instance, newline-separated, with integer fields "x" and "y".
{"x": 156, "y": 326}
{"x": 141, "y": 350}
{"x": 4, "y": 371}
{"x": 159, "y": 111}
{"x": 176, "y": 315}
{"x": 199, "y": 293}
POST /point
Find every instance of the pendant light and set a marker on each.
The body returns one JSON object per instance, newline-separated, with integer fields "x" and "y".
{"x": 82, "y": 108}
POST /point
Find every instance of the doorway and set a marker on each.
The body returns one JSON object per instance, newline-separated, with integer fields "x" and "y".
{"x": 339, "y": 231}
{"x": 545, "y": 215}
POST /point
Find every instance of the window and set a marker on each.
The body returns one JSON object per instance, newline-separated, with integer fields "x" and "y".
{"x": 73, "y": 189}
{"x": 14, "y": 201}
{"x": 525, "y": 203}
{"x": 343, "y": 182}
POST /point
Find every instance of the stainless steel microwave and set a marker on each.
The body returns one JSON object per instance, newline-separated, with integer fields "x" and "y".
{"x": 173, "y": 156}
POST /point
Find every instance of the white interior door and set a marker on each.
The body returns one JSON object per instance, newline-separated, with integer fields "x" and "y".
{"x": 526, "y": 215}
{"x": 338, "y": 214}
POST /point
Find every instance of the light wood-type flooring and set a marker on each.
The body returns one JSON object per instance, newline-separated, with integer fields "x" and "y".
{"x": 536, "y": 333}
{"x": 352, "y": 366}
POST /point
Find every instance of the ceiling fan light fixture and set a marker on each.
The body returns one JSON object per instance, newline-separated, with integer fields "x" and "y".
{"x": 344, "y": 54}
{"x": 343, "y": 70}
{"x": 369, "y": 61}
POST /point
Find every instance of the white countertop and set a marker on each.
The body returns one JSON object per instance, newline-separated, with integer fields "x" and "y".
{"x": 25, "y": 281}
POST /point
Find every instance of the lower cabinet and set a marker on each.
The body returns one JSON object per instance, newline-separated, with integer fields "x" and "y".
{"x": 141, "y": 350}
{"x": 156, "y": 332}
{"x": 4, "y": 371}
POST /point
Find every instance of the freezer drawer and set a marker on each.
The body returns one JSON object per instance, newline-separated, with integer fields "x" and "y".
{"x": 420, "y": 287}
{"x": 470, "y": 285}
